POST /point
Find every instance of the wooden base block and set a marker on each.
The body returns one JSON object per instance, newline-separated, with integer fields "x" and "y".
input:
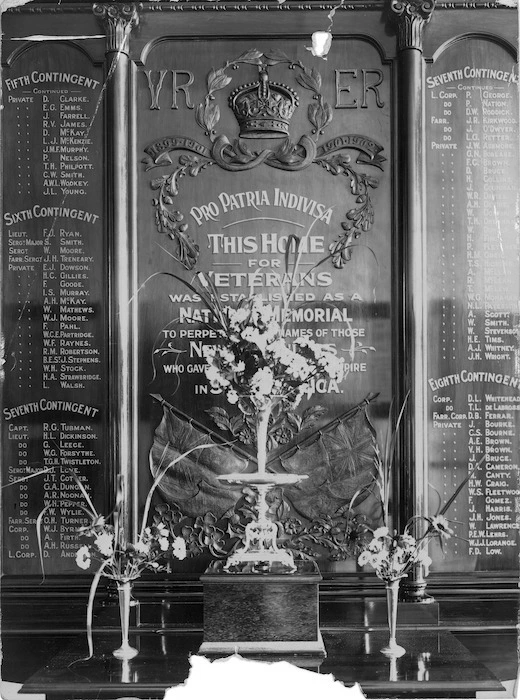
{"x": 307, "y": 649}
{"x": 262, "y": 613}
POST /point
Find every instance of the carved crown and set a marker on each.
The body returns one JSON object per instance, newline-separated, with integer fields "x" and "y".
{"x": 263, "y": 109}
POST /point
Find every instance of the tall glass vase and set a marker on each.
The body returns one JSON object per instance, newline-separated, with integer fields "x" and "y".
{"x": 392, "y": 596}
{"x": 124, "y": 591}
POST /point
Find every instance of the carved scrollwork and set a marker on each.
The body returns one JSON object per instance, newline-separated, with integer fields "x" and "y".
{"x": 289, "y": 156}
{"x": 292, "y": 157}
{"x": 412, "y": 17}
{"x": 263, "y": 110}
{"x": 118, "y": 21}
{"x": 171, "y": 221}
{"x": 359, "y": 219}
{"x": 236, "y": 156}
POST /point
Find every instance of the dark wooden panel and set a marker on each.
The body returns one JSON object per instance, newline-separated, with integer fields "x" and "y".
{"x": 259, "y": 20}
{"x": 54, "y": 400}
{"x": 261, "y": 612}
{"x": 474, "y": 293}
{"x": 449, "y": 23}
{"x": 234, "y": 222}
{"x": 247, "y": 607}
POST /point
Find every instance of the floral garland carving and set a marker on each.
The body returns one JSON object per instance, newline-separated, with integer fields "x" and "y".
{"x": 341, "y": 535}
{"x": 359, "y": 219}
{"x": 171, "y": 221}
{"x": 283, "y": 426}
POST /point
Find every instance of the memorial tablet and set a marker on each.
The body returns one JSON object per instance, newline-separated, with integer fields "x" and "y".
{"x": 54, "y": 300}
{"x": 226, "y": 190}
{"x": 474, "y": 298}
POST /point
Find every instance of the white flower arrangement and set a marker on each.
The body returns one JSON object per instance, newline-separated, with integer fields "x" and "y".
{"x": 254, "y": 366}
{"x": 393, "y": 554}
{"x": 112, "y": 552}
{"x": 115, "y": 556}
{"x": 125, "y": 561}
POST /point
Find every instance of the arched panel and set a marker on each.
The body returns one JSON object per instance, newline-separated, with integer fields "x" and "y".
{"x": 480, "y": 36}
{"x": 474, "y": 297}
{"x": 54, "y": 320}
{"x": 29, "y": 46}
{"x": 221, "y": 194}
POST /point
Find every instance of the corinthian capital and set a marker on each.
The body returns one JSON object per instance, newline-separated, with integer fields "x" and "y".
{"x": 118, "y": 21}
{"x": 412, "y": 17}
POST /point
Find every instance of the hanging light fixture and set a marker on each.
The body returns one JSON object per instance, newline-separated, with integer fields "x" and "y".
{"x": 322, "y": 39}
{"x": 321, "y": 42}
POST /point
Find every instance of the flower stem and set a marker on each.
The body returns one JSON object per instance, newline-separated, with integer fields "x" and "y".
{"x": 262, "y": 423}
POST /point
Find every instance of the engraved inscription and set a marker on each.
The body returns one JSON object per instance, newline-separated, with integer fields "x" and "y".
{"x": 52, "y": 415}
{"x": 475, "y": 301}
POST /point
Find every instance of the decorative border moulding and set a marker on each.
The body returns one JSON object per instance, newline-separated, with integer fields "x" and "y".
{"x": 54, "y": 6}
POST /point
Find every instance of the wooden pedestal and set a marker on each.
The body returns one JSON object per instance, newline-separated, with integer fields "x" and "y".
{"x": 262, "y": 613}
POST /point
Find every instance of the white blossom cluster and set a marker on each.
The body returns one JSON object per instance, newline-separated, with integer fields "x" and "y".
{"x": 125, "y": 561}
{"x": 392, "y": 556}
{"x": 253, "y": 362}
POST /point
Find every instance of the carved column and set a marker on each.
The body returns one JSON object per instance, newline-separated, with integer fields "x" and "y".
{"x": 411, "y": 19}
{"x": 118, "y": 21}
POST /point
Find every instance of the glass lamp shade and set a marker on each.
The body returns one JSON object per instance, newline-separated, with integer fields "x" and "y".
{"x": 321, "y": 42}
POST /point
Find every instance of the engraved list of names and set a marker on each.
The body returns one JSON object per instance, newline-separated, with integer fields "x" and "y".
{"x": 474, "y": 297}
{"x": 54, "y": 314}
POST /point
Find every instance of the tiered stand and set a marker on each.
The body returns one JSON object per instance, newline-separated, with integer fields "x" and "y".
{"x": 260, "y": 601}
